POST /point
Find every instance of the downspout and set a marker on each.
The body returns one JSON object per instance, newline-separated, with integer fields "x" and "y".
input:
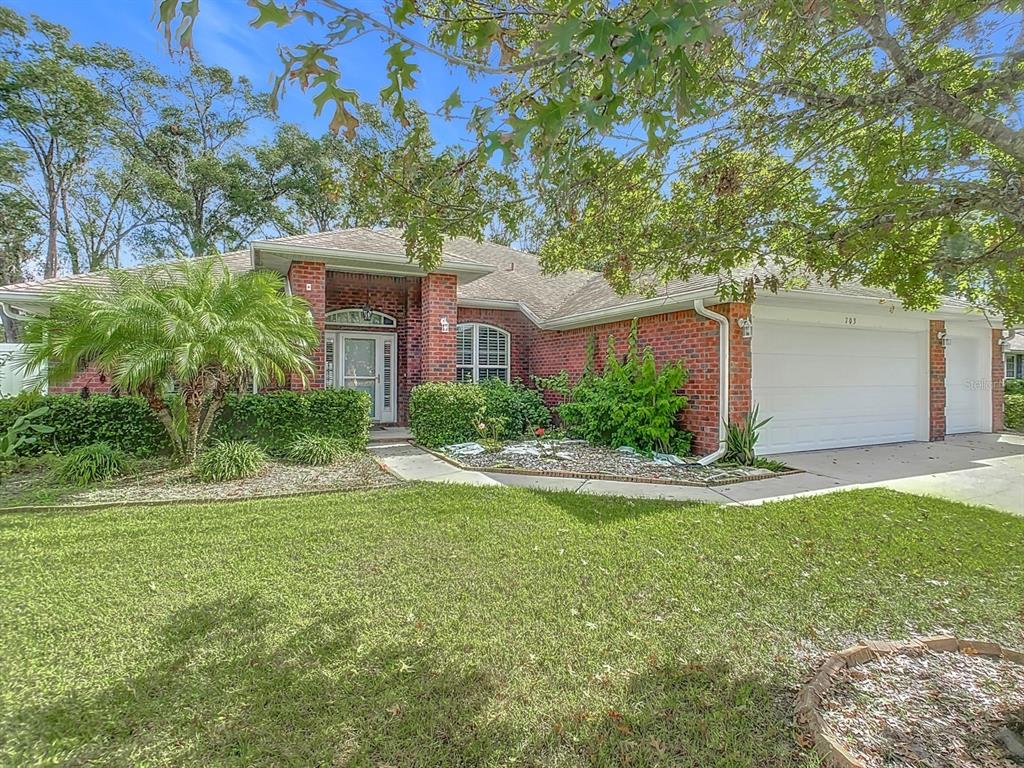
{"x": 723, "y": 378}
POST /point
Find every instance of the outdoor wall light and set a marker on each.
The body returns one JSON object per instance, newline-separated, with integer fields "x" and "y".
{"x": 943, "y": 338}
{"x": 747, "y": 327}
{"x": 444, "y": 325}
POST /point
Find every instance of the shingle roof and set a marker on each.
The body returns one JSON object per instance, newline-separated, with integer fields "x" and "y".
{"x": 1016, "y": 343}
{"x": 517, "y": 276}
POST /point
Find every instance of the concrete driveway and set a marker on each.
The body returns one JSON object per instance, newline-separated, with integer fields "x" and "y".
{"x": 976, "y": 468}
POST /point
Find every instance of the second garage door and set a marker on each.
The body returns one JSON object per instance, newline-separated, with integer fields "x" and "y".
{"x": 829, "y": 387}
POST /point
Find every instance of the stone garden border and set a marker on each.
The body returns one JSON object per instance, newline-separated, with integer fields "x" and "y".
{"x": 602, "y": 475}
{"x": 808, "y": 701}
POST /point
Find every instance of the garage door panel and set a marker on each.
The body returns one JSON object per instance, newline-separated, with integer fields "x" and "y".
{"x": 968, "y": 382}
{"x": 829, "y": 387}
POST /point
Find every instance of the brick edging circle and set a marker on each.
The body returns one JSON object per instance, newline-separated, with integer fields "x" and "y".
{"x": 602, "y": 475}
{"x": 808, "y": 701}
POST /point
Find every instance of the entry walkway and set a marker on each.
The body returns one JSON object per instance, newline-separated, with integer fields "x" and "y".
{"x": 977, "y": 469}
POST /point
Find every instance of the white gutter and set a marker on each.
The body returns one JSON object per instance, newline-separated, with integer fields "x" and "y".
{"x": 723, "y": 378}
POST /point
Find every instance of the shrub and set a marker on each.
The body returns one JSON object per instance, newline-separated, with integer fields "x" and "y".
{"x": 1013, "y": 410}
{"x": 630, "y": 403}
{"x": 740, "y": 439}
{"x": 318, "y": 450}
{"x": 515, "y": 409}
{"x": 125, "y": 423}
{"x": 1014, "y": 387}
{"x": 229, "y": 460}
{"x": 92, "y": 463}
{"x": 273, "y": 420}
{"x": 24, "y": 432}
{"x": 442, "y": 413}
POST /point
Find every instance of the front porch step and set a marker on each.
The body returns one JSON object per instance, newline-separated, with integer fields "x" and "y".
{"x": 385, "y": 435}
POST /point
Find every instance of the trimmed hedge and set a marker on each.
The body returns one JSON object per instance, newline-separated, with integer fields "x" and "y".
{"x": 442, "y": 413}
{"x": 123, "y": 423}
{"x": 275, "y": 419}
{"x": 1013, "y": 410}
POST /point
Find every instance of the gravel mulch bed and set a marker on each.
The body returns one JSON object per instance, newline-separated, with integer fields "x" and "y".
{"x": 355, "y": 470}
{"x": 581, "y": 457}
{"x": 934, "y": 710}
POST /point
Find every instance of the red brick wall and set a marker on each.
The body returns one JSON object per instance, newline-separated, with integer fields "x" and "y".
{"x": 395, "y": 296}
{"x": 91, "y": 378}
{"x": 520, "y": 330}
{"x": 437, "y": 301}
{"x": 314, "y": 275}
{"x": 673, "y": 336}
{"x": 936, "y": 382}
{"x": 998, "y": 374}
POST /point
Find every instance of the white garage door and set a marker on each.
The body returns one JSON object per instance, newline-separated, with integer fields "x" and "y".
{"x": 968, "y": 382}
{"x": 829, "y": 387}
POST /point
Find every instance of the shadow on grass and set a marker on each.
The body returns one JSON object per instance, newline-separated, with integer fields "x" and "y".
{"x": 221, "y": 691}
{"x": 601, "y": 510}
{"x": 692, "y": 715}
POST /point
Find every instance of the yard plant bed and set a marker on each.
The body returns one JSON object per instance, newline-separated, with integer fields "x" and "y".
{"x": 925, "y": 709}
{"x": 579, "y": 458}
{"x": 156, "y": 482}
{"x": 446, "y": 625}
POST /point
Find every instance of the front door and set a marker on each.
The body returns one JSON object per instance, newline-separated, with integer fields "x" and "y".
{"x": 364, "y": 362}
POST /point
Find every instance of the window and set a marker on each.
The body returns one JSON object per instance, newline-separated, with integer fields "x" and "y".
{"x": 358, "y": 316}
{"x": 481, "y": 353}
{"x": 1015, "y": 366}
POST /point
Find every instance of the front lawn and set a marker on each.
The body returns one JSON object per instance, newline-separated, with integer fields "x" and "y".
{"x": 448, "y": 625}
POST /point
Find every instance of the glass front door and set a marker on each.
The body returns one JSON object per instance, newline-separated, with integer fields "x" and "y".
{"x": 364, "y": 362}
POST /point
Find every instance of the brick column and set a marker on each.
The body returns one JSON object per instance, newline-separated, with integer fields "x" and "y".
{"x": 998, "y": 373}
{"x": 308, "y": 279}
{"x": 739, "y": 362}
{"x": 936, "y": 382}
{"x": 437, "y": 304}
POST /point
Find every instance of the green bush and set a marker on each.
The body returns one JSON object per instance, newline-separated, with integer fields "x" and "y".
{"x": 630, "y": 403}
{"x": 517, "y": 409}
{"x": 442, "y": 413}
{"x": 275, "y": 419}
{"x": 125, "y": 423}
{"x": 229, "y": 460}
{"x": 317, "y": 450}
{"x": 1013, "y": 410}
{"x": 1014, "y": 387}
{"x": 92, "y": 463}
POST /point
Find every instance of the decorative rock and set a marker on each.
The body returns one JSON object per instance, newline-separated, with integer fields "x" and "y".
{"x": 940, "y": 642}
{"x": 1012, "y": 741}
{"x": 980, "y": 648}
{"x": 465, "y": 449}
{"x": 856, "y": 655}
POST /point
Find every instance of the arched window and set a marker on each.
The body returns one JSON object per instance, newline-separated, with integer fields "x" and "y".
{"x": 359, "y": 316}
{"x": 481, "y": 352}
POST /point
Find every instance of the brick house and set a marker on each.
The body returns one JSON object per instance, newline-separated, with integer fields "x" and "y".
{"x": 832, "y": 366}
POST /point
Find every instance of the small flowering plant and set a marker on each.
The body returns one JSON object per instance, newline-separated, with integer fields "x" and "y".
{"x": 539, "y": 432}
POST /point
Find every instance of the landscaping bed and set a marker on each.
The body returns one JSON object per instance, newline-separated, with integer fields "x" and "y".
{"x": 579, "y": 458}
{"x": 924, "y": 709}
{"x": 157, "y": 482}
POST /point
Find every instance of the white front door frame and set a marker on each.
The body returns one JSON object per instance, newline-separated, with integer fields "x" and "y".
{"x": 385, "y": 376}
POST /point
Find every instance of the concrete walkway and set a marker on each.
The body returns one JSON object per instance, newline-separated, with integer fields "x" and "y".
{"x": 976, "y": 468}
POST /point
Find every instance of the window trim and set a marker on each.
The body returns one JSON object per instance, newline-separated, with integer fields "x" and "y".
{"x": 475, "y": 365}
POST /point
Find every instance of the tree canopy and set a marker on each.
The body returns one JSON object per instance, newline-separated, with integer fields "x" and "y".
{"x": 828, "y": 140}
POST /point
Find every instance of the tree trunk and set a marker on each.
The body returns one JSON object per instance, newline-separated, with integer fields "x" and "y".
{"x": 163, "y": 413}
{"x": 50, "y": 269}
{"x": 10, "y": 334}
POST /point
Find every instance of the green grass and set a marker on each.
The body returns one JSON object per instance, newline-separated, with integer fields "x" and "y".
{"x": 454, "y": 626}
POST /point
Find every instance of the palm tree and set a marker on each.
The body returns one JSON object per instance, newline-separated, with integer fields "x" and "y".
{"x": 191, "y": 327}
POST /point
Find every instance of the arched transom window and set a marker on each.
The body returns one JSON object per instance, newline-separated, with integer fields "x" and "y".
{"x": 482, "y": 352}
{"x": 359, "y": 316}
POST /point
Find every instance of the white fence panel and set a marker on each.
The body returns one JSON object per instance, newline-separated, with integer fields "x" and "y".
{"x": 14, "y": 380}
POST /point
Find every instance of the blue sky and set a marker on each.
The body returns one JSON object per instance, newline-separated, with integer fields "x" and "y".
{"x": 224, "y": 38}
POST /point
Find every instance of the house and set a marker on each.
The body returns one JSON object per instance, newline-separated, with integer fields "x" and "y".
{"x": 832, "y": 366}
{"x": 1014, "y": 356}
